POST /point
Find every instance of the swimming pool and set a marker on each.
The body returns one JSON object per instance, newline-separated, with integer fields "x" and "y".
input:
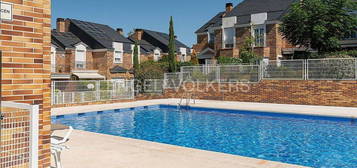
{"x": 297, "y": 139}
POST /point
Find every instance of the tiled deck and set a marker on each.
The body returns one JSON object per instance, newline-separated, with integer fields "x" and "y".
{"x": 92, "y": 150}
{"x": 279, "y": 108}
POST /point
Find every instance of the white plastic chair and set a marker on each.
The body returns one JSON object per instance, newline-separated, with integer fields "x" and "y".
{"x": 55, "y": 140}
{"x": 56, "y": 152}
{"x": 57, "y": 146}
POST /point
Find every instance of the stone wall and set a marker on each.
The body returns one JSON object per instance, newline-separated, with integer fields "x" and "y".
{"x": 325, "y": 93}
{"x": 25, "y": 43}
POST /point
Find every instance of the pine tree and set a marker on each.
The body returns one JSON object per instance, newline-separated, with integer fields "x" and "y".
{"x": 136, "y": 56}
{"x": 172, "y": 48}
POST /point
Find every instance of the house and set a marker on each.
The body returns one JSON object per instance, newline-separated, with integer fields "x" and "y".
{"x": 227, "y": 31}
{"x": 85, "y": 50}
{"x": 156, "y": 45}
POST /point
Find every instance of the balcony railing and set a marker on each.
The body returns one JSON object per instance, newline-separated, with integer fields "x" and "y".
{"x": 77, "y": 65}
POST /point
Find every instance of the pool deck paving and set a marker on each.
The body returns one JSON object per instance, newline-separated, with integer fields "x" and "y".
{"x": 93, "y": 150}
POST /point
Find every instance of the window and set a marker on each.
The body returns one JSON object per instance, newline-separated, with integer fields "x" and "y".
{"x": 118, "y": 57}
{"x": 80, "y": 57}
{"x": 211, "y": 37}
{"x": 229, "y": 34}
{"x": 118, "y": 52}
{"x": 80, "y": 65}
{"x": 259, "y": 36}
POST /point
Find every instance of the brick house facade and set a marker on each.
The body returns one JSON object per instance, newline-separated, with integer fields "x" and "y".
{"x": 100, "y": 48}
{"x": 155, "y": 45}
{"x": 102, "y": 44}
{"x": 249, "y": 19}
{"x": 25, "y": 44}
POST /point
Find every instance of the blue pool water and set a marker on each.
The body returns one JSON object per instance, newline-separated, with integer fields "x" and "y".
{"x": 303, "y": 140}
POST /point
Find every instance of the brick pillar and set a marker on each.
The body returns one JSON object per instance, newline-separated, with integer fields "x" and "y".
{"x": 26, "y": 45}
{"x": 218, "y": 43}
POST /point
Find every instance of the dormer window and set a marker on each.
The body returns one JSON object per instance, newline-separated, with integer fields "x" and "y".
{"x": 118, "y": 53}
{"x": 80, "y": 56}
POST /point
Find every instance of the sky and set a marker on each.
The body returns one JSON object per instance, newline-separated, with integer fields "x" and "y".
{"x": 189, "y": 15}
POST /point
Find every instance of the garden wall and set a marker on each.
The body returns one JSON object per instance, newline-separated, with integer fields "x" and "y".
{"x": 325, "y": 93}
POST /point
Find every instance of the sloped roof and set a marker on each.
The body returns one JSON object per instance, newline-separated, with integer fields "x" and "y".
{"x": 163, "y": 39}
{"x": 144, "y": 45}
{"x": 216, "y": 21}
{"x": 101, "y": 33}
{"x": 57, "y": 44}
{"x": 64, "y": 39}
{"x": 119, "y": 69}
{"x": 274, "y": 8}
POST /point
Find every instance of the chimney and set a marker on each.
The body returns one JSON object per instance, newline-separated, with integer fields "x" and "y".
{"x": 229, "y": 7}
{"x": 61, "y": 25}
{"x": 138, "y": 34}
{"x": 120, "y": 31}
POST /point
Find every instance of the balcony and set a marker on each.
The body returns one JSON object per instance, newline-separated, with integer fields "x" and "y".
{"x": 77, "y": 65}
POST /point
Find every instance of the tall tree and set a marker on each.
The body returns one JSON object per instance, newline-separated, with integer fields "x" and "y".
{"x": 172, "y": 47}
{"x": 136, "y": 56}
{"x": 319, "y": 24}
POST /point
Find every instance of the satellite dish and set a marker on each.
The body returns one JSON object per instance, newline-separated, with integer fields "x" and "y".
{"x": 90, "y": 86}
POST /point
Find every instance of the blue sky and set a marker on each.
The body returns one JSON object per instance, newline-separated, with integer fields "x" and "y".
{"x": 188, "y": 15}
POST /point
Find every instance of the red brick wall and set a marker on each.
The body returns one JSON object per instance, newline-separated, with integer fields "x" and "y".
{"x": 274, "y": 42}
{"x": 26, "y": 46}
{"x": 326, "y": 93}
{"x": 202, "y": 43}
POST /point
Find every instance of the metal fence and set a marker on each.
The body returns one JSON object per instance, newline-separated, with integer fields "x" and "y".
{"x": 311, "y": 69}
{"x": 283, "y": 69}
{"x": 223, "y": 73}
{"x": 19, "y": 132}
{"x": 332, "y": 69}
{"x": 153, "y": 86}
{"x": 75, "y": 92}
{"x": 175, "y": 80}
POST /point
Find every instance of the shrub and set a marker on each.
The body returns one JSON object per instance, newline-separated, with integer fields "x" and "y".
{"x": 229, "y": 60}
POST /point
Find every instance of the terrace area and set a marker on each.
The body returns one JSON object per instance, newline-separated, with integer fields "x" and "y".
{"x": 99, "y": 150}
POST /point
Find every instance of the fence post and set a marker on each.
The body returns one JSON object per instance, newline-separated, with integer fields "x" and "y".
{"x": 261, "y": 70}
{"x": 52, "y": 92}
{"x": 97, "y": 90}
{"x": 34, "y": 127}
{"x": 355, "y": 68}
{"x": 218, "y": 72}
{"x": 306, "y": 69}
{"x": 132, "y": 89}
{"x": 82, "y": 97}
{"x": 63, "y": 97}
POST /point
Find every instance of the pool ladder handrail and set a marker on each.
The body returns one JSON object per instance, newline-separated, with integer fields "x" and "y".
{"x": 188, "y": 96}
